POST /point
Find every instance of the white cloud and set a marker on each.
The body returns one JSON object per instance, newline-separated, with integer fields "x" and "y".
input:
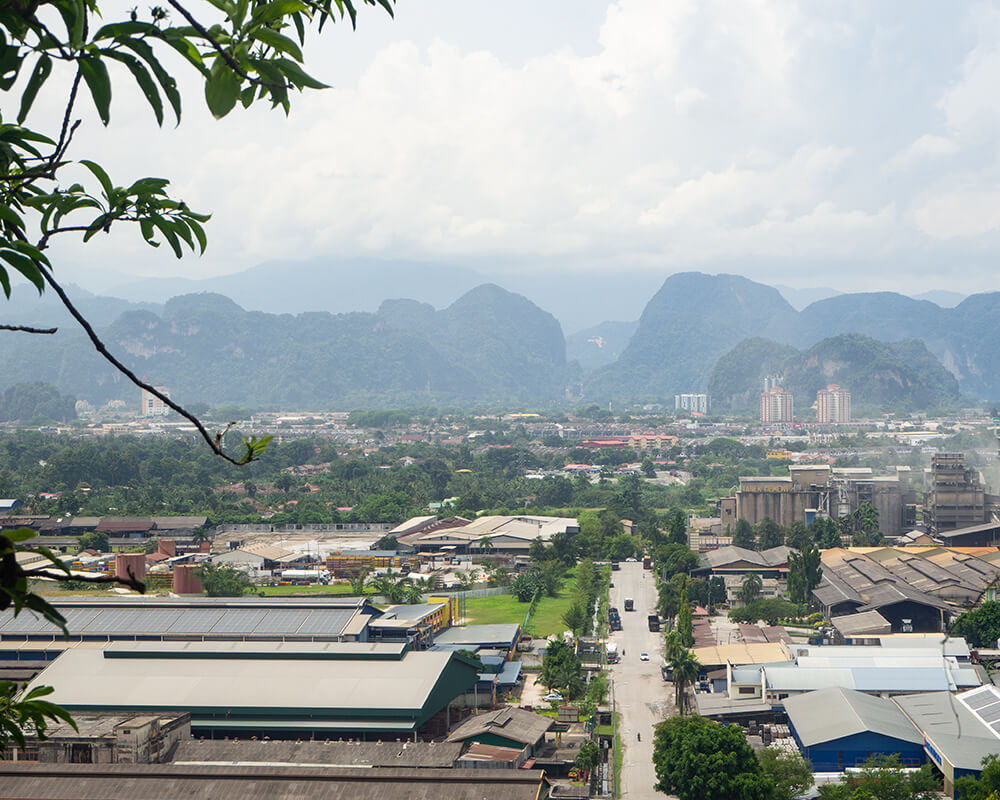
{"x": 924, "y": 148}
{"x": 690, "y": 131}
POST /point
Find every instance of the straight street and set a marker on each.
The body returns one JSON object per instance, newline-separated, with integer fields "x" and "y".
{"x": 641, "y": 696}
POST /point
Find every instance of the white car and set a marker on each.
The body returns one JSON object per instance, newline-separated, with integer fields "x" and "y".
{"x": 644, "y": 656}
{"x": 552, "y": 697}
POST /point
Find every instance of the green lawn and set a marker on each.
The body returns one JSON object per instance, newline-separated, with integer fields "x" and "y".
{"x": 547, "y": 618}
{"x": 293, "y": 591}
{"x": 500, "y": 609}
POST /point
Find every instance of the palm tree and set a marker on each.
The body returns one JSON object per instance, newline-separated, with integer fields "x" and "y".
{"x": 486, "y": 544}
{"x": 358, "y": 581}
{"x": 412, "y": 593}
{"x": 684, "y": 669}
{"x": 752, "y": 586}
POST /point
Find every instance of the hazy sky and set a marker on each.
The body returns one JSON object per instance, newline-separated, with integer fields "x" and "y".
{"x": 851, "y": 144}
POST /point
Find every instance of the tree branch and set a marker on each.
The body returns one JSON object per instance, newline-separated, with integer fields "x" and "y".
{"x": 131, "y": 581}
{"x": 215, "y": 442}
{"x": 27, "y": 329}
{"x": 226, "y": 56}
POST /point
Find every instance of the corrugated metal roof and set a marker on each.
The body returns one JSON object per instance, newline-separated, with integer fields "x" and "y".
{"x": 953, "y": 730}
{"x": 195, "y": 619}
{"x": 830, "y": 714}
{"x": 271, "y": 782}
{"x": 87, "y": 679}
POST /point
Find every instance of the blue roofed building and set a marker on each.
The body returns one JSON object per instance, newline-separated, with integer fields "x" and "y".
{"x": 839, "y": 728}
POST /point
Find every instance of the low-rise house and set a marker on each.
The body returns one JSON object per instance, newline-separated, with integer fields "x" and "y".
{"x": 508, "y": 727}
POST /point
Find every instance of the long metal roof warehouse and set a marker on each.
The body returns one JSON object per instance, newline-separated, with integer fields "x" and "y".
{"x": 204, "y": 618}
{"x": 279, "y": 689}
{"x": 34, "y": 781}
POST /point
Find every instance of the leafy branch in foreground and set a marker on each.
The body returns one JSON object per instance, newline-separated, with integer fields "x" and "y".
{"x": 245, "y": 51}
{"x": 22, "y": 713}
{"x": 15, "y": 591}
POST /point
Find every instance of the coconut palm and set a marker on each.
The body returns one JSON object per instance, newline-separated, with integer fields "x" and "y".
{"x": 752, "y": 586}
{"x": 359, "y": 580}
{"x": 684, "y": 667}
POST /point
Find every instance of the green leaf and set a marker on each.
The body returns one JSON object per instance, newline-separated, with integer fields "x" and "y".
{"x": 4, "y": 282}
{"x": 10, "y": 63}
{"x": 95, "y": 73}
{"x": 143, "y": 78}
{"x": 20, "y": 534}
{"x": 199, "y": 233}
{"x": 10, "y": 216}
{"x": 168, "y": 233}
{"x": 145, "y": 52}
{"x": 26, "y": 267}
{"x": 146, "y": 226}
{"x": 277, "y": 9}
{"x": 222, "y": 89}
{"x": 125, "y": 29}
{"x": 101, "y": 175}
{"x": 387, "y": 6}
{"x": 41, "y": 72}
{"x": 296, "y": 75}
{"x": 279, "y": 42}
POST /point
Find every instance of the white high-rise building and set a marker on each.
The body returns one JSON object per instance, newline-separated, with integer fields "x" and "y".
{"x": 699, "y": 403}
{"x": 153, "y": 406}
{"x": 776, "y": 405}
{"x": 833, "y": 404}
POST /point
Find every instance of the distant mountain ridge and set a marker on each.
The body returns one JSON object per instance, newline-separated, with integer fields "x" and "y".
{"x": 695, "y": 319}
{"x": 900, "y": 376}
{"x": 490, "y": 345}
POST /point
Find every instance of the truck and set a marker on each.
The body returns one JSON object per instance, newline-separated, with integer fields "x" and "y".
{"x": 612, "y": 650}
{"x": 629, "y": 604}
{"x": 305, "y": 575}
{"x": 654, "y": 622}
{"x": 614, "y": 621}
{"x": 615, "y": 566}
{"x": 647, "y": 562}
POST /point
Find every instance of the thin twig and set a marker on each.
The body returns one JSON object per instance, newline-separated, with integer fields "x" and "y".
{"x": 215, "y": 442}
{"x": 27, "y": 329}
{"x": 226, "y": 56}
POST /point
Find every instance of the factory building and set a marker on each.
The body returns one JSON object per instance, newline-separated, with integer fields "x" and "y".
{"x": 812, "y": 489}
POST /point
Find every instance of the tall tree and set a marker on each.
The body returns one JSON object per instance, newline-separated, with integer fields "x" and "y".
{"x": 769, "y": 534}
{"x": 561, "y": 669}
{"x": 790, "y": 772}
{"x": 685, "y": 621}
{"x": 698, "y": 759}
{"x": 744, "y": 536}
{"x": 805, "y": 571}
{"x": 684, "y": 668}
{"x": 677, "y": 526}
{"x": 798, "y": 535}
{"x": 752, "y": 586}
{"x": 980, "y": 626}
{"x": 575, "y": 618}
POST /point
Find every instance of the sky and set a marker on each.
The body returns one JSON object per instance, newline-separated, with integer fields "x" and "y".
{"x": 853, "y": 145}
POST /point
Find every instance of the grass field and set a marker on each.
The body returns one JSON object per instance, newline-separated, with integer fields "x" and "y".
{"x": 500, "y": 609}
{"x": 294, "y": 591}
{"x": 504, "y": 609}
{"x": 547, "y": 618}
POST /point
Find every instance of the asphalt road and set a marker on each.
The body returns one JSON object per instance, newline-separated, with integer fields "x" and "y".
{"x": 641, "y": 695}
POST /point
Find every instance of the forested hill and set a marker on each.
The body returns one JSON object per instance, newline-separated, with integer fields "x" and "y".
{"x": 688, "y": 324}
{"x": 901, "y": 376}
{"x": 694, "y": 319}
{"x": 489, "y": 346}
